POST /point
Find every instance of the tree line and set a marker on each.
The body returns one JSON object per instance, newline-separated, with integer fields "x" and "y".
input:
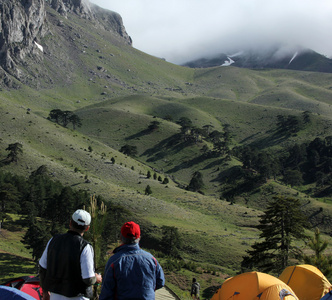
{"x": 190, "y": 134}
{"x": 220, "y": 140}
{"x": 309, "y": 162}
{"x": 65, "y": 117}
{"x": 296, "y": 165}
{"x": 46, "y": 206}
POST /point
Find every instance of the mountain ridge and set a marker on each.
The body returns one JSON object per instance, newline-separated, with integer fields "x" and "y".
{"x": 273, "y": 57}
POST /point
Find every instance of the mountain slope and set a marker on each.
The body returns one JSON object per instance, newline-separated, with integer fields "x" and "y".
{"x": 117, "y": 91}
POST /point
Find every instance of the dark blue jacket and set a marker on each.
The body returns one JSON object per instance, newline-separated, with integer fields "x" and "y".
{"x": 131, "y": 273}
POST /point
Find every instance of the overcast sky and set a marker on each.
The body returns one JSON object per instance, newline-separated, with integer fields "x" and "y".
{"x": 182, "y": 30}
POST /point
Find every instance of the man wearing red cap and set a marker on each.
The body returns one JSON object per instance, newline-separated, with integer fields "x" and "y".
{"x": 131, "y": 273}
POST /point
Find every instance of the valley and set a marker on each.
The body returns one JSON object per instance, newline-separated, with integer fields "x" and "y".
{"x": 118, "y": 91}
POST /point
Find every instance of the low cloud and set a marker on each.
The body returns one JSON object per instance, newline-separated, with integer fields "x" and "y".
{"x": 182, "y": 30}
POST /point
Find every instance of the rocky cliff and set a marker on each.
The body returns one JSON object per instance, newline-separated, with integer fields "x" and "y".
{"x": 23, "y": 23}
{"x": 107, "y": 19}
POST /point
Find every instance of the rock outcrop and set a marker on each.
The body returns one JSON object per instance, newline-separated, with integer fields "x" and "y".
{"x": 110, "y": 21}
{"x": 24, "y": 22}
{"x": 64, "y": 7}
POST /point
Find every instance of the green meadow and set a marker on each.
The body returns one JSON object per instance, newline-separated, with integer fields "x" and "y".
{"x": 117, "y": 91}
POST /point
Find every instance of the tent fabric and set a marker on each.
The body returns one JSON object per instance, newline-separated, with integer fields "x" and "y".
{"x": 216, "y": 295}
{"x": 254, "y": 286}
{"x": 28, "y": 284}
{"x": 17, "y": 282}
{"x": 10, "y": 293}
{"x": 328, "y": 296}
{"x": 278, "y": 291}
{"x": 307, "y": 281}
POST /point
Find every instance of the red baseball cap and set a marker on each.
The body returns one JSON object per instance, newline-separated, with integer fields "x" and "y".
{"x": 131, "y": 230}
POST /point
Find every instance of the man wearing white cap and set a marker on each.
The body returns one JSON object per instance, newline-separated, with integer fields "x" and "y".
{"x": 66, "y": 266}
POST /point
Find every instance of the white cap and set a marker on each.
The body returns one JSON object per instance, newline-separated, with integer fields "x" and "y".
{"x": 81, "y": 217}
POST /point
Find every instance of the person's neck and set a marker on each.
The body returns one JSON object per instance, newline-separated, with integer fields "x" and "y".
{"x": 77, "y": 231}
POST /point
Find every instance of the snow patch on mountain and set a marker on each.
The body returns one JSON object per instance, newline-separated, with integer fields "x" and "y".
{"x": 228, "y": 62}
{"x": 295, "y": 54}
{"x": 40, "y": 47}
{"x": 236, "y": 54}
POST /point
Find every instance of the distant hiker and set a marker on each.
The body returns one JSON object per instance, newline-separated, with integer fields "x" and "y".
{"x": 67, "y": 266}
{"x": 195, "y": 286}
{"x": 131, "y": 273}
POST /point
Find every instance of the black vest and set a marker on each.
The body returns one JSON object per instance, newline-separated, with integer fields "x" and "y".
{"x": 63, "y": 275}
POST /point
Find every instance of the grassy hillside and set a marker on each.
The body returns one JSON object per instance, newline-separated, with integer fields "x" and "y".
{"x": 117, "y": 91}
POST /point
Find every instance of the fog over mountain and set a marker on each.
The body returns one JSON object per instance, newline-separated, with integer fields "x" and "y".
{"x": 184, "y": 30}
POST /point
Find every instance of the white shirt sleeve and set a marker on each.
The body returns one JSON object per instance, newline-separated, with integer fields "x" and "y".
{"x": 87, "y": 265}
{"x": 43, "y": 259}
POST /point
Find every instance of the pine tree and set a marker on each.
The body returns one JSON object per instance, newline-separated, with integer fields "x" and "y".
{"x": 321, "y": 261}
{"x": 36, "y": 238}
{"x": 196, "y": 182}
{"x": 129, "y": 150}
{"x": 171, "y": 240}
{"x": 56, "y": 114}
{"x": 15, "y": 150}
{"x": 280, "y": 225}
{"x": 148, "y": 190}
{"x": 154, "y": 125}
{"x": 9, "y": 201}
{"x": 75, "y": 120}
